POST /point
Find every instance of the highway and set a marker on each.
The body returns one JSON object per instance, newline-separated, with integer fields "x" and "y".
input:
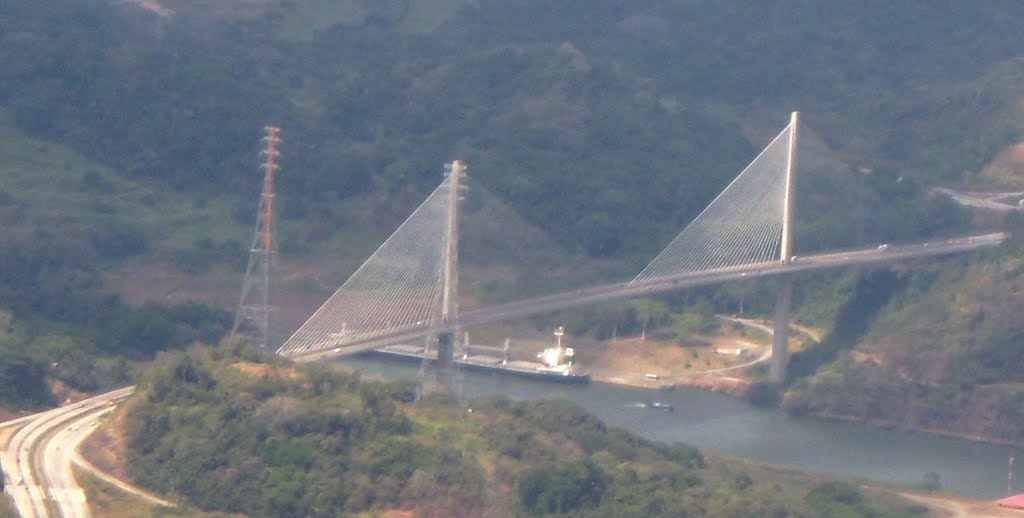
{"x": 609, "y": 292}
{"x": 37, "y": 458}
{"x": 58, "y": 451}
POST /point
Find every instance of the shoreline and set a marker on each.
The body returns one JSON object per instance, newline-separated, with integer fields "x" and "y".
{"x": 738, "y": 387}
{"x": 712, "y": 383}
{"x": 890, "y": 425}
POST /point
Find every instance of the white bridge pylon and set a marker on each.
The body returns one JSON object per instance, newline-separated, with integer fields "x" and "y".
{"x": 744, "y": 225}
{"x": 401, "y": 287}
{"x": 408, "y": 288}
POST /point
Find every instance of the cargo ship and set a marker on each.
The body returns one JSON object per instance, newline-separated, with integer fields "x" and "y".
{"x": 552, "y": 364}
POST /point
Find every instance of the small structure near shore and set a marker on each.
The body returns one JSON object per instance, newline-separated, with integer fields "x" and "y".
{"x": 738, "y": 351}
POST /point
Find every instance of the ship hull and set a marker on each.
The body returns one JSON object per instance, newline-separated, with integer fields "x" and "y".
{"x": 483, "y": 363}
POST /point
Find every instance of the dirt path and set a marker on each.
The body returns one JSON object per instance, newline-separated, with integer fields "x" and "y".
{"x": 948, "y": 506}
{"x": 118, "y": 483}
{"x": 767, "y": 327}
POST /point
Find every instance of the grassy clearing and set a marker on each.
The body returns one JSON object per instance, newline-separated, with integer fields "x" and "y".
{"x": 47, "y": 188}
{"x": 110, "y": 502}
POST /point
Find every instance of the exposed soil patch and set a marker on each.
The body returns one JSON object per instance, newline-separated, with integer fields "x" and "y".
{"x": 254, "y": 369}
{"x": 65, "y": 394}
{"x": 669, "y": 360}
{"x": 950, "y": 506}
{"x": 6, "y": 433}
{"x": 715, "y": 383}
{"x": 106, "y": 447}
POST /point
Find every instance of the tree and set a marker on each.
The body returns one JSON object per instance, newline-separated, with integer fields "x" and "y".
{"x": 650, "y": 312}
{"x": 552, "y": 490}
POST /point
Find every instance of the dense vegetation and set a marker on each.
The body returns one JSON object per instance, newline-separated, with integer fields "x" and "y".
{"x": 232, "y": 429}
{"x": 606, "y": 119}
{"x": 941, "y": 352}
{"x": 60, "y": 325}
{"x": 607, "y": 130}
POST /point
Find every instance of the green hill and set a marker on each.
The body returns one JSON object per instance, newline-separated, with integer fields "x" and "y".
{"x": 231, "y": 429}
{"x": 941, "y": 354}
{"x": 130, "y": 164}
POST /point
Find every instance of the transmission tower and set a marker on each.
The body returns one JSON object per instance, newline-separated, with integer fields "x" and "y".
{"x": 254, "y": 304}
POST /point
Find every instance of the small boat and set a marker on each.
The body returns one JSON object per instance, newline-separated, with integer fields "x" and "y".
{"x": 655, "y": 405}
{"x": 658, "y": 405}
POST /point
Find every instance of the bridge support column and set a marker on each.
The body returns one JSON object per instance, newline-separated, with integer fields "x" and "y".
{"x": 446, "y": 359}
{"x": 780, "y": 339}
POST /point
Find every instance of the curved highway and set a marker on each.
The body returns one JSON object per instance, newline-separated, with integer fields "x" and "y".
{"x": 59, "y": 451}
{"x": 608, "y": 292}
{"x": 37, "y": 459}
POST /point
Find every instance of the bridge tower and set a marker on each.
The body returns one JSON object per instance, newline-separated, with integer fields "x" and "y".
{"x": 254, "y": 303}
{"x": 448, "y": 310}
{"x": 780, "y": 339}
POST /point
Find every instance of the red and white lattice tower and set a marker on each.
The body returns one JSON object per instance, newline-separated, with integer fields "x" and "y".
{"x": 254, "y": 305}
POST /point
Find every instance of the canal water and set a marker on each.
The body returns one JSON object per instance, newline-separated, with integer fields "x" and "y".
{"x": 729, "y": 425}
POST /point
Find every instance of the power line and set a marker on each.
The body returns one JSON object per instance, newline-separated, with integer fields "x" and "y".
{"x": 254, "y": 302}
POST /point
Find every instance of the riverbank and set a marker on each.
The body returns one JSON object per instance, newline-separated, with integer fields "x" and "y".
{"x": 714, "y": 383}
{"x": 720, "y": 423}
{"x": 954, "y": 506}
{"x": 656, "y": 365}
{"x": 718, "y": 366}
{"x": 740, "y": 387}
{"x": 664, "y": 365}
{"x": 892, "y": 425}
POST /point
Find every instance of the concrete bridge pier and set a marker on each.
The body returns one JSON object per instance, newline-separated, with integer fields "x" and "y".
{"x": 780, "y": 339}
{"x": 446, "y": 359}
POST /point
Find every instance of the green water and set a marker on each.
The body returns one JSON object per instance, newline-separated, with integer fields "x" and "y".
{"x": 720, "y": 423}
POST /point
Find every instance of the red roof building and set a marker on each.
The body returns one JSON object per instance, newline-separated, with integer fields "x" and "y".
{"x": 1013, "y": 502}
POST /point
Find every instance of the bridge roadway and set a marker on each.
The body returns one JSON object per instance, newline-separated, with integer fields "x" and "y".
{"x": 609, "y": 292}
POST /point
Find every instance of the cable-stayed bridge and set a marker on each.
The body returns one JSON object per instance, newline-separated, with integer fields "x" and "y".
{"x": 407, "y": 290}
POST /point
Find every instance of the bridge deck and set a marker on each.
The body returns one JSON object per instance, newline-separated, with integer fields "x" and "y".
{"x": 622, "y": 290}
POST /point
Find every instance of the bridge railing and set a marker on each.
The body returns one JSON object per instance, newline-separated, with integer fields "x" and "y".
{"x": 622, "y": 290}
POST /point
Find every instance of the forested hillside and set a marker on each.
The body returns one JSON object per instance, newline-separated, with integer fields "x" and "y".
{"x": 941, "y": 353}
{"x": 632, "y": 117}
{"x": 232, "y": 429}
{"x": 605, "y": 125}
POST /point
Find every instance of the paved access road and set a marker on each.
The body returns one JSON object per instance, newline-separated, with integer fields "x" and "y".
{"x": 37, "y": 457}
